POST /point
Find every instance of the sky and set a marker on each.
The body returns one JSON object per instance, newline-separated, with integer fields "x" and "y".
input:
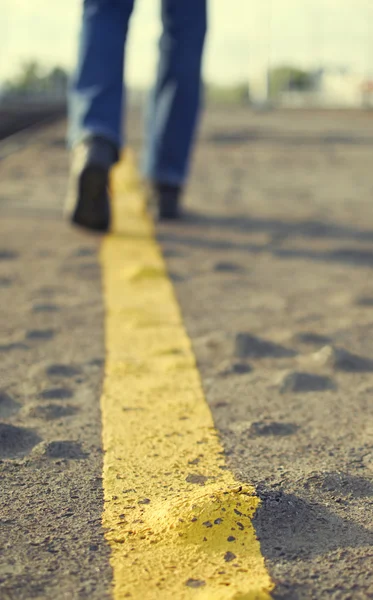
{"x": 244, "y": 36}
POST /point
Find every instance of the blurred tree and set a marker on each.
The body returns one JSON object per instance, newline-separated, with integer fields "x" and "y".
{"x": 57, "y": 78}
{"x": 284, "y": 78}
{"x": 30, "y": 79}
{"x": 235, "y": 94}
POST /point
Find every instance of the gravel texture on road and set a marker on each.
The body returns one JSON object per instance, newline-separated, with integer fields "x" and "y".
{"x": 272, "y": 268}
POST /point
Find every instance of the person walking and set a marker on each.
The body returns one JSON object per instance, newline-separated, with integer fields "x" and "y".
{"x": 96, "y": 100}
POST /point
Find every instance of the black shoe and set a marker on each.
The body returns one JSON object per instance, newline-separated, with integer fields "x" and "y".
{"x": 164, "y": 201}
{"x": 87, "y": 202}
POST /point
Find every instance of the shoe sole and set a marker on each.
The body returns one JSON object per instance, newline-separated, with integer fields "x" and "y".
{"x": 165, "y": 209}
{"x": 169, "y": 213}
{"x": 92, "y": 210}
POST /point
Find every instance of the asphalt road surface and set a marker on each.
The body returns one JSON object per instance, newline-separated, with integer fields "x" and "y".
{"x": 272, "y": 267}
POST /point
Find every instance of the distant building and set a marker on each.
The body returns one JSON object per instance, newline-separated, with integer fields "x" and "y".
{"x": 331, "y": 87}
{"x": 258, "y": 86}
{"x": 337, "y": 87}
{"x": 367, "y": 92}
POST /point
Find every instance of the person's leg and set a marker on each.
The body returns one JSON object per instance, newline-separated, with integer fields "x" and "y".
{"x": 95, "y": 102}
{"x": 95, "y": 111}
{"x": 175, "y": 101}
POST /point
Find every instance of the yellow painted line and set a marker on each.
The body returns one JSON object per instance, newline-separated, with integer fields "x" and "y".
{"x": 178, "y": 523}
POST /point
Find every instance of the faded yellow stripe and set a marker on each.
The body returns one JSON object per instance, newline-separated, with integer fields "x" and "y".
{"x": 178, "y": 523}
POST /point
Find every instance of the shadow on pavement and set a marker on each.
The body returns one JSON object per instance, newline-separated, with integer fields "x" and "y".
{"x": 252, "y": 135}
{"x": 309, "y": 538}
{"x": 293, "y": 528}
{"x": 284, "y": 229}
{"x": 197, "y": 231}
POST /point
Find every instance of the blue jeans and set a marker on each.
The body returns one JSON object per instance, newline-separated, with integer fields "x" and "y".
{"x": 96, "y": 95}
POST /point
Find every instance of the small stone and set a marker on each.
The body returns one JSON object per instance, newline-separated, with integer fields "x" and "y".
{"x": 8, "y": 254}
{"x": 13, "y": 346}
{"x": 249, "y": 346}
{"x": 234, "y": 368}
{"x": 16, "y": 441}
{"x": 49, "y": 412}
{"x": 84, "y": 251}
{"x": 227, "y": 267}
{"x": 40, "y": 334}
{"x": 5, "y": 282}
{"x": 311, "y": 339}
{"x": 196, "y": 479}
{"x": 57, "y": 394}
{"x": 229, "y": 556}
{"x": 269, "y": 428}
{"x": 353, "y": 256}
{"x": 195, "y": 583}
{"x": 63, "y": 371}
{"x": 60, "y": 449}
{"x": 8, "y": 406}
{"x": 45, "y": 308}
{"x": 306, "y": 382}
{"x": 342, "y": 360}
{"x": 364, "y": 301}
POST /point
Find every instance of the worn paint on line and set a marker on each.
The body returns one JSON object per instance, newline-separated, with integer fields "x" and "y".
{"x": 178, "y": 523}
